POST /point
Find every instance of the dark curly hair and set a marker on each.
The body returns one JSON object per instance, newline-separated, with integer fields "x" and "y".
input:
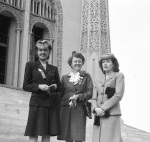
{"x": 77, "y": 55}
{"x": 114, "y": 61}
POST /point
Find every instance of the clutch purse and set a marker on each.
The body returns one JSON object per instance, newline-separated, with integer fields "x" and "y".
{"x": 110, "y": 92}
{"x": 87, "y": 109}
{"x": 54, "y": 97}
{"x": 97, "y": 118}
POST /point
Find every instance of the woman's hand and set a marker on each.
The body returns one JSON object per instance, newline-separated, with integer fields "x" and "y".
{"x": 53, "y": 85}
{"x": 43, "y": 87}
{"x": 73, "y": 100}
{"x": 99, "y": 111}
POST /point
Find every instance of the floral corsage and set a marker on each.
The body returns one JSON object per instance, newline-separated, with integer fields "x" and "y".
{"x": 42, "y": 73}
{"x": 76, "y": 78}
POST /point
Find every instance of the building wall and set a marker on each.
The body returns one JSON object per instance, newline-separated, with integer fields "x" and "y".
{"x": 71, "y": 30}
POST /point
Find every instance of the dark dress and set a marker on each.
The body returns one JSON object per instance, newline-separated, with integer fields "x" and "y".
{"x": 43, "y": 118}
{"x": 73, "y": 120}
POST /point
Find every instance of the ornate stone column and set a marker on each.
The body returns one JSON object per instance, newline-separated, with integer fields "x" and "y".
{"x": 17, "y": 51}
{"x": 24, "y": 53}
{"x": 51, "y": 54}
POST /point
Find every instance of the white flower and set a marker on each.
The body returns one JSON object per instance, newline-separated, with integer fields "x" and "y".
{"x": 42, "y": 73}
{"x": 75, "y": 78}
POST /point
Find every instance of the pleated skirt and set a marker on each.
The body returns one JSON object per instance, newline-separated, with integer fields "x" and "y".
{"x": 43, "y": 121}
{"x": 108, "y": 131}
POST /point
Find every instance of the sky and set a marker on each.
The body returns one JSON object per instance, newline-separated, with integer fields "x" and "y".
{"x": 130, "y": 42}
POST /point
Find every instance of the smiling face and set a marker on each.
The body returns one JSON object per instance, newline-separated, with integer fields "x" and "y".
{"x": 107, "y": 65}
{"x": 43, "y": 52}
{"x": 76, "y": 64}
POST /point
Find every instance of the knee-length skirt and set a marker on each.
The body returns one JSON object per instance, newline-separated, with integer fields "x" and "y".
{"x": 43, "y": 121}
{"x": 108, "y": 131}
{"x": 73, "y": 123}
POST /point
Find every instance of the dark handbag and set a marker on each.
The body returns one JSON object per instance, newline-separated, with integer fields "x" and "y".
{"x": 97, "y": 118}
{"x": 87, "y": 109}
{"x": 54, "y": 97}
{"x": 110, "y": 92}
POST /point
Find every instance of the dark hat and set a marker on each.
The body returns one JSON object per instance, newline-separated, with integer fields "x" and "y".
{"x": 107, "y": 56}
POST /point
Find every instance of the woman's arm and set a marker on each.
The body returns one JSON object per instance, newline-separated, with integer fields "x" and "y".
{"x": 57, "y": 79}
{"x": 89, "y": 90}
{"x": 118, "y": 94}
{"x": 27, "y": 84}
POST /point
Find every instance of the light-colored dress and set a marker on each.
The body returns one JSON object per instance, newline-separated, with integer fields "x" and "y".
{"x": 110, "y": 127}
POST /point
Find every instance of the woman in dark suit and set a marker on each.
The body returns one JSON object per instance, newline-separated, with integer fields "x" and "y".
{"x": 42, "y": 79}
{"x": 77, "y": 87}
{"x": 107, "y": 95}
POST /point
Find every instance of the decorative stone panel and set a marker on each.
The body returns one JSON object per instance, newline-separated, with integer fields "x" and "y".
{"x": 84, "y": 30}
{"x": 16, "y": 13}
{"x": 104, "y": 27}
{"x": 94, "y": 27}
{"x": 48, "y": 24}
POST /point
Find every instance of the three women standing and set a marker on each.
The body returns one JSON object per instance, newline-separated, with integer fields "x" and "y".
{"x": 42, "y": 79}
{"x": 77, "y": 87}
{"x": 105, "y": 101}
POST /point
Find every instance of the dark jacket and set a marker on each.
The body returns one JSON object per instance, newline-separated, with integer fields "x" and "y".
{"x": 84, "y": 90}
{"x": 32, "y": 79}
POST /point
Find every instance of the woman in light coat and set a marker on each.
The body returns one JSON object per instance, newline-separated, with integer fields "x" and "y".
{"x": 107, "y": 95}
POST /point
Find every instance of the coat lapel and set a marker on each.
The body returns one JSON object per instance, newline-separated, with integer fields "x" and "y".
{"x": 68, "y": 77}
{"x": 110, "y": 77}
{"x": 104, "y": 80}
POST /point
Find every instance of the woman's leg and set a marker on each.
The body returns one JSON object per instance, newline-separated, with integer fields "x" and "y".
{"x": 45, "y": 138}
{"x": 33, "y": 139}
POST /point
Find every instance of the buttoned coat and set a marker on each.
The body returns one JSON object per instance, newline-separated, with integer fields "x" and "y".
{"x": 100, "y": 99}
{"x": 110, "y": 128}
{"x": 73, "y": 120}
{"x": 32, "y": 79}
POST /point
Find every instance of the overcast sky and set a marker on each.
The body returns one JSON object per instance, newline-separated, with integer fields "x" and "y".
{"x": 130, "y": 42}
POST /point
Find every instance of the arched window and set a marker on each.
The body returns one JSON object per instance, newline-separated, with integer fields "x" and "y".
{"x": 4, "y": 31}
{"x": 37, "y": 34}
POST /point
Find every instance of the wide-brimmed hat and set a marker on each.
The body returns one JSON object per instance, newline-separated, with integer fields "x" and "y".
{"x": 107, "y": 56}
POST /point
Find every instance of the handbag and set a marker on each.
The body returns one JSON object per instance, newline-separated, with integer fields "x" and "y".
{"x": 110, "y": 92}
{"x": 97, "y": 118}
{"x": 54, "y": 97}
{"x": 87, "y": 109}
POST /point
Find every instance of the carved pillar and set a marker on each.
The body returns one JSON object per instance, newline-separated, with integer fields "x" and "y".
{"x": 22, "y": 4}
{"x": 32, "y": 9}
{"x": 24, "y": 44}
{"x": 18, "y": 3}
{"x": 35, "y": 10}
{"x": 51, "y": 54}
{"x": 39, "y": 10}
{"x": 11, "y": 2}
{"x": 50, "y": 11}
{"x": 47, "y": 10}
{"x": 29, "y": 45}
{"x": 15, "y": 79}
{"x": 43, "y": 8}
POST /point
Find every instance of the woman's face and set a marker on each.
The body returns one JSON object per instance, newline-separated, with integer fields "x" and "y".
{"x": 43, "y": 52}
{"x": 107, "y": 65}
{"x": 76, "y": 64}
